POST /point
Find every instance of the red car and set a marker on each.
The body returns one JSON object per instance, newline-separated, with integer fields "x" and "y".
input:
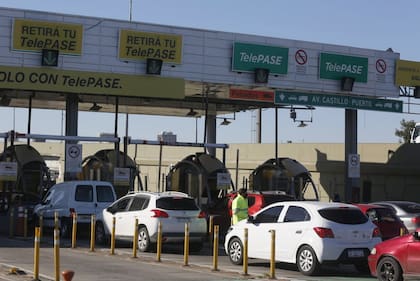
{"x": 386, "y": 220}
{"x": 396, "y": 258}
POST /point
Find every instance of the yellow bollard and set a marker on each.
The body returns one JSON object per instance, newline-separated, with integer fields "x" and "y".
{"x": 245, "y": 257}
{"x": 135, "y": 237}
{"x": 25, "y": 223}
{"x": 273, "y": 255}
{"x": 92, "y": 233}
{"x": 159, "y": 242}
{"x": 113, "y": 236}
{"x": 211, "y": 229}
{"x": 74, "y": 231}
{"x": 41, "y": 222}
{"x": 57, "y": 254}
{"x": 11, "y": 223}
{"x": 36, "y": 254}
{"x": 215, "y": 247}
{"x": 401, "y": 231}
{"x": 186, "y": 243}
{"x": 55, "y": 220}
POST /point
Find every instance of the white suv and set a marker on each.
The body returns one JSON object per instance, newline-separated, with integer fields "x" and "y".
{"x": 172, "y": 209}
{"x": 308, "y": 234}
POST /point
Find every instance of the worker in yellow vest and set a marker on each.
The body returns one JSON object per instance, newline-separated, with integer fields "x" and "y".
{"x": 240, "y": 206}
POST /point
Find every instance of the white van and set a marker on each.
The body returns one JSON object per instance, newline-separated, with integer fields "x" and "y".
{"x": 415, "y": 134}
{"x": 67, "y": 198}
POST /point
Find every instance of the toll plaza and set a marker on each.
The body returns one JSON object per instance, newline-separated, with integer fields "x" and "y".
{"x": 75, "y": 63}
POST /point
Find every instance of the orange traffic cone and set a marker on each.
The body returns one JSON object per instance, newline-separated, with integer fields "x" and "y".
{"x": 67, "y": 275}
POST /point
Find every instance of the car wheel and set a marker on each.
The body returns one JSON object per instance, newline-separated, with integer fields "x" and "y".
{"x": 65, "y": 229}
{"x": 100, "y": 234}
{"x": 236, "y": 251}
{"x": 389, "y": 269}
{"x": 143, "y": 240}
{"x": 306, "y": 261}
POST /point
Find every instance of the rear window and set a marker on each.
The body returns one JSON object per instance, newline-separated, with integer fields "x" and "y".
{"x": 343, "y": 215}
{"x": 410, "y": 208}
{"x": 381, "y": 214}
{"x": 104, "y": 193}
{"x": 176, "y": 203}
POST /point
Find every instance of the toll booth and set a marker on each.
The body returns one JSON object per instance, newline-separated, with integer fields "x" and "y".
{"x": 108, "y": 165}
{"x": 284, "y": 175}
{"x": 202, "y": 176}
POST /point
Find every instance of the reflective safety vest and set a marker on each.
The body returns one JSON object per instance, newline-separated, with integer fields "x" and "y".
{"x": 239, "y": 209}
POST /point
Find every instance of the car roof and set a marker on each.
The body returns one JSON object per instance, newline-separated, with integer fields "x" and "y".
{"x": 161, "y": 194}
{"x": 316, "y": 204}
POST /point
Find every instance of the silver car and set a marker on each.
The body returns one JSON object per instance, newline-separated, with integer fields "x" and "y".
{"x": 408, "y": 212}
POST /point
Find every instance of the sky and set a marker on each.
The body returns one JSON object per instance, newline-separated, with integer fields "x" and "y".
{"x": 373, "y": 24}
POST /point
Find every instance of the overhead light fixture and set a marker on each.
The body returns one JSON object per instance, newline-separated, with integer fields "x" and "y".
{"x": 347, "y": 84}
{"x": 154, "y": 66}
{"x": 5, "y": 101}
{"x": 192, "y": 113}
{"x": 225, "y": 122}
{"x": 95, "y": 107}
{"x": 261, "y": 75}
{"x": 302, "y": 124}
{"x": 416, "y": 92}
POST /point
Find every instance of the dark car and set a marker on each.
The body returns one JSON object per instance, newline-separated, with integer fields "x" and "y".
{"x": 396, "y": 258}
{"x": 386, "y": 220}
{"x": 222, "y": 211}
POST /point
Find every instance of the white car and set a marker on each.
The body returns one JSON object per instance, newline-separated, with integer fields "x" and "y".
{"x": 307, "y": 233}
{"x": 172, "y": 209}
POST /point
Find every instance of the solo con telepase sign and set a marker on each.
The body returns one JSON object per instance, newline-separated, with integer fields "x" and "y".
{"x": 407, "y": 73}
{"x": 341, "y": 101}
{"x": 248, "y": 57}
{"x": 137, "y": 45}
{"x": 33, "y": 36}
{"x": 47, "y": 79}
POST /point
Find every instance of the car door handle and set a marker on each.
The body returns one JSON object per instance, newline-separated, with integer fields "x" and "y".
{"x": 298, "y": 231}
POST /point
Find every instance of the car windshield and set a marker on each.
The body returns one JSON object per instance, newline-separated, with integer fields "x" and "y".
{"x": 381, "y": 214}
{"x": 176, "y": 203}
{"x": 344, "y": 215}
{"x": 410, "y": 207}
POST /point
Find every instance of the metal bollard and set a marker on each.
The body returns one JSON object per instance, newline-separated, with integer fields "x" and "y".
{"x": 41, "y": 224}
{"x": 74, "y": 231}
{"x": 113, "y": 236}
{"x": 11, "y": 223}
{"x": 159, "y": 242}
{"x": 135, "y": 237}
{"x": 211, "y": 229}
{"x": 92, "y": 232}
{"x": 186, "y": 243}
{"x": 401, "y": 231}
{"x": 36, "y": 253}
{"x": 57, "y": 254}
{"x": 273, "y": 255}
{"x": 245, "y": 257}
{"x": 55, "y": 220}
{"x": 215, "y": 247}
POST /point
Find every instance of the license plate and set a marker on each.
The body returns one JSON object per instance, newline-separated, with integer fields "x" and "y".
{"x": 355, "y": 253}
{"x": 183, "y": 219}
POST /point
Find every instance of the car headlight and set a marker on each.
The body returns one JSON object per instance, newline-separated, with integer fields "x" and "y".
{"x": 373, "y": 251}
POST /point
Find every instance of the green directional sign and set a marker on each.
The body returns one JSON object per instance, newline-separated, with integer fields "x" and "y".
{"x": 248, "y": 57}
{"x": 335, "y": 67}
{"x": 342, "y": 101}
{"x": 49, "y": 57}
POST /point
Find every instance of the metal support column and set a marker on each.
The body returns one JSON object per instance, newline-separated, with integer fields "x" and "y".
{"x": 350, "y": 148}
{"x": 211, "y": 133}
{"x": 72, "y": 108}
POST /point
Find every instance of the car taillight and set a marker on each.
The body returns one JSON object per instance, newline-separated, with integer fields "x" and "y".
{"x": 324, "y": 232}
{"x": 376, "y": 232}
{"x": 159, "y": 214}
{"x": 202, "y": 215}
{"x": 416, "y": 220}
